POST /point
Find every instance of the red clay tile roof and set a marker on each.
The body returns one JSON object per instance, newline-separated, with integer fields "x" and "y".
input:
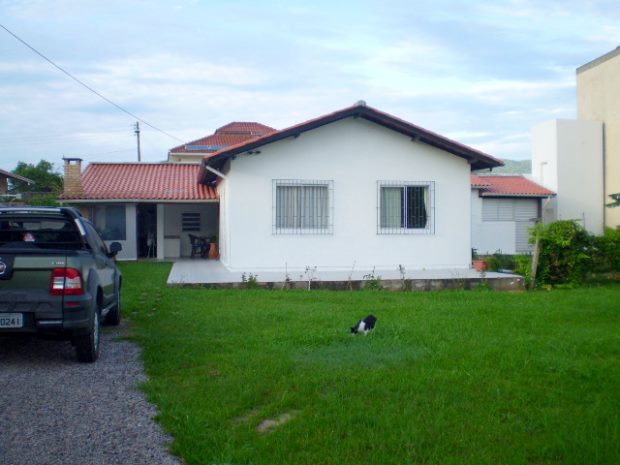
{"x": 143, "y": 181}
{"x": 508, "y": 186}
{"x": 477, "y": 159}
{"x": 229, "y": 134}
{"x": 252, "y": 128}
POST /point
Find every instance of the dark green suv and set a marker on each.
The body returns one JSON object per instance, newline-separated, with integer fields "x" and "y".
{"x": 57, "y": 277}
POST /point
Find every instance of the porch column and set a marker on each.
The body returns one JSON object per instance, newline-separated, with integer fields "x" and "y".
{"x": 160, "y": 231}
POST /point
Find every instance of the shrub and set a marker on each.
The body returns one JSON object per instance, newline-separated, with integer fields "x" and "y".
{"x": 606, "y": 251}
{"x": 565, "y": 253}
{"x": 523, "y": 266}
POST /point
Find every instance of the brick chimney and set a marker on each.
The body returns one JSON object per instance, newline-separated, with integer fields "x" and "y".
{"x": 73, "y": 178}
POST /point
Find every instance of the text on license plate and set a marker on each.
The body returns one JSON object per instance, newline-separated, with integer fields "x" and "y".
{"x": 11, "y": 320}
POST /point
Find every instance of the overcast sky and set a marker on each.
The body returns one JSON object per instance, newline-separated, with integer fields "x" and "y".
{"x": 480, "y": 72}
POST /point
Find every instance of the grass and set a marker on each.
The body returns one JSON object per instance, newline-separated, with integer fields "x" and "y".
{"x": 446, "y": 378}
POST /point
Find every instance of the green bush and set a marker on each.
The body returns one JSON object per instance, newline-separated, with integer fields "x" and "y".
{"x": 523, "y": 266}
{"x": 606, "y": 252}
{"x": 566, "y": 251}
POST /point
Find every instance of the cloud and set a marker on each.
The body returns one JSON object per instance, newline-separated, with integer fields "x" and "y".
{"x": 479, "y": 72}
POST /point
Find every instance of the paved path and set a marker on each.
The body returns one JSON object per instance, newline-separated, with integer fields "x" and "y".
{"x": 54, "y": 410}
{"x": 197, "y": 270}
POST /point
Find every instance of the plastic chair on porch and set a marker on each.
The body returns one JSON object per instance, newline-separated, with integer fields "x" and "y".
{"x": 198, "y": 246}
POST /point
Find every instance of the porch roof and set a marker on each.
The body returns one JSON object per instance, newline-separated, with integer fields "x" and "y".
{"x": 143, "y": 181}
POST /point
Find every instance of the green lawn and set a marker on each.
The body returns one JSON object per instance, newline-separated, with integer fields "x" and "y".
{"x": 471, "y": 377}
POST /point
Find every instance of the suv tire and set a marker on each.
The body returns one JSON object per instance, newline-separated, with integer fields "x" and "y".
{"x": 87, "y": 345}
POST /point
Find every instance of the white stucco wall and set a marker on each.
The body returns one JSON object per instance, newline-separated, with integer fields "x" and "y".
{"x": 567, "y": 157}
{"x": 354, "y": 154}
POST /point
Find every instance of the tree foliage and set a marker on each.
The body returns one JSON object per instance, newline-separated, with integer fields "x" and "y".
{"x": 615, "y": 200}
{"x": 44, "y": 175}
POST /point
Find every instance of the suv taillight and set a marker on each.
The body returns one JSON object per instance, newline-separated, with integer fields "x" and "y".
{"x": 66, "y": 281}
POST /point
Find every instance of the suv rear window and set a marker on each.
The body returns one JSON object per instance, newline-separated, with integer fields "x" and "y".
{"x": 37, "y": 232}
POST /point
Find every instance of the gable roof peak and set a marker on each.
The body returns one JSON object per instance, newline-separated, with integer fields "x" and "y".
{"x": 477, "y": 159}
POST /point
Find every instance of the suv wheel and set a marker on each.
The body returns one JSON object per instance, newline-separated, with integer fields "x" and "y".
{"x": 87, "y": 345}
{"x": 113, "y": 318}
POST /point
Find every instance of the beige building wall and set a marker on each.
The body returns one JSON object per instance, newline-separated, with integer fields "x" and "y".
{"x": 598, "y": 98}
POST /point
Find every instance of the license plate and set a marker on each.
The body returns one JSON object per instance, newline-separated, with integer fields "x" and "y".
{"x": 11, "y": 320}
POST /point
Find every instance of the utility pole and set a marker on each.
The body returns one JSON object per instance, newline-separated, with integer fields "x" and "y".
{"x": 137, "y": 133}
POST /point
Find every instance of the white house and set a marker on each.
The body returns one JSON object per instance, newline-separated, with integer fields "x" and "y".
{"x": 357, "y": 187}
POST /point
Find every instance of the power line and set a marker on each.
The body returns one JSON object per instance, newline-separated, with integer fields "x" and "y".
{"x": 87, "y": 86}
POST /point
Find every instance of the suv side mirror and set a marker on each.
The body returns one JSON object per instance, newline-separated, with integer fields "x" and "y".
{"x": 115, "y": 247}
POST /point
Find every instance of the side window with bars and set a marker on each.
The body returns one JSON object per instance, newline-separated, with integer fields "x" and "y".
{"x": 406, "y": 207}
{"x": 302, "y": 206}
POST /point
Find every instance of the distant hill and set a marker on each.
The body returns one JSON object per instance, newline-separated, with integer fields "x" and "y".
{"x": 514, "y": 167}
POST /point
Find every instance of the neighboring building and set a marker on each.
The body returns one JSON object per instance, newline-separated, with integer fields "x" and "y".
{"x": 5, "y": 188}
{"x": 598, "y": 99}
{"x": 503, "y": 210}
{"x": 567, "y": 157}
{"x": 230, "y": 134}
{"x": 356, "y": 187}
{"x": 580, "y": 159}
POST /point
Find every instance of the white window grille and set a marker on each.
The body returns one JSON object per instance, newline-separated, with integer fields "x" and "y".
{"x": 302, "y": 206}
{"x": 405, "y": 207}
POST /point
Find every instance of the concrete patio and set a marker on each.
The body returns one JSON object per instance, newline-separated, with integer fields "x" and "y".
{"x": 212, "y": 273}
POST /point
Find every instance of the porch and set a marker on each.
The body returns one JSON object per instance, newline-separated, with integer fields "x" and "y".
{"x": 155, "y": 230}
{"x": 212, "y": 273}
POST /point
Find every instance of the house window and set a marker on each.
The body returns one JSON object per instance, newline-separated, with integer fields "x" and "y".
{"x": 190, "y": 221}
{"x": 406, "y": 207}
{"x": 110, "y": 221}
{"x": 302, "y": 206}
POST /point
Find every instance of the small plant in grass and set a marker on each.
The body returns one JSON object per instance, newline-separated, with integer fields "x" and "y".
{"x": 249, "y": 280}
{"x": 402, "y": 272}
{"x": 287, "y": 277}
{"x": 372, "y": 280}
{"x": 350, "y": 281}
{"x": 309, "y": 275}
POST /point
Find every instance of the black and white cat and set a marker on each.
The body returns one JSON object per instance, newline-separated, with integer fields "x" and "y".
{"x": 366, "y": 325}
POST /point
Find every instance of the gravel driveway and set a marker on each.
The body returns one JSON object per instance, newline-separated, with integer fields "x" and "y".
{"x": 54, "y": 410}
